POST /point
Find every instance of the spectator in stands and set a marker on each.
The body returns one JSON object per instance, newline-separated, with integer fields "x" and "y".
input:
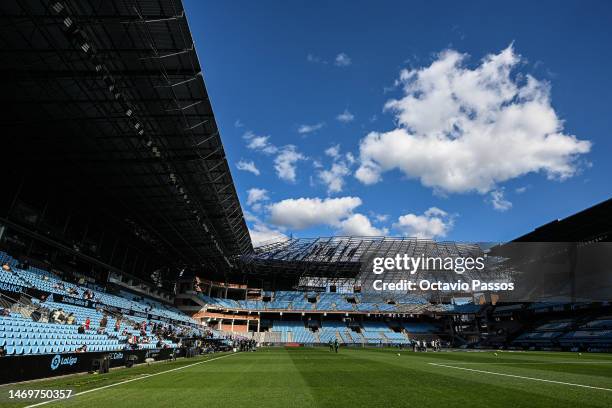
{"x": 5, "y": 312}
{"x": 104, "y": 321}
{"x": 81, "y": 329}
{"x": 117, "y": 324}
{"x": 87, "y": 323}
{"x": 71, "y": 319}
{"x": 58, "y": 316}
{"x": 6, "y": 267}
{"x": 132, "y": 342}
{"x": 82, "y": 349}
{"x": 58, "y": 286}
{"x": 2, "y": 351}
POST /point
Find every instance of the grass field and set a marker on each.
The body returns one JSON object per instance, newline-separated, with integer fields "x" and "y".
{"x": 279, "y": 377}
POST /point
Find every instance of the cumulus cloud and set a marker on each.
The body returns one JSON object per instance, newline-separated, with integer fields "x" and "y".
{"x": 301, "y": 213}
{"x": 259, "y": 142}
{"x": 262, "y": 233}
{"x": 432, "y": 223}
{"x": 255, "y": 195}
{"x": 342, "y": 60}
{"x": 345, "y": 117}
{"x": 334, "y": 177}
{"x": 333, "y": 151}
{"x": 285, "y": 163}
{"x": 381, "y": 217}
{"x": 305, "y": 129}
{"x": 464, "y": 129}
{"x": 249, "y": 166}
{"x": 359, "y": 224}
{"x": 499, "y": 201}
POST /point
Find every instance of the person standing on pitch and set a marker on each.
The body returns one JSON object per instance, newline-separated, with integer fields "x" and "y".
{"x": 336, "y": 345}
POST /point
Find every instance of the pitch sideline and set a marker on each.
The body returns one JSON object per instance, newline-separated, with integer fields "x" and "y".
{"x": 38, "y": 404}
{"x": 521, "y": 377}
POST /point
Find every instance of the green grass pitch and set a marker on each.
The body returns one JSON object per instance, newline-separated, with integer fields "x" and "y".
{"x": 314, "y": 377}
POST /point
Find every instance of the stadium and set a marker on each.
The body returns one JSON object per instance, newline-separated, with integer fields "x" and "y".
{"x": 129, "y": 277}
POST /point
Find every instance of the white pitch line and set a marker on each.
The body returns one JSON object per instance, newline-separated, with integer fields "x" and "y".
{"x": 529, "y": 362}
{"x": 522, "y": 377}
{"x": 128, "y": 381}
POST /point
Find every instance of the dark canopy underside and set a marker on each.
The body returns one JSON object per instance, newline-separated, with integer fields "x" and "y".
{"x": 107, "y": 98}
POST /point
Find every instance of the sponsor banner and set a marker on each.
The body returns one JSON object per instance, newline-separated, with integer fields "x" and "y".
{"x": 22, "y": 368}
{"x": 12, "y": 288}
{"x": 74, "y": 301}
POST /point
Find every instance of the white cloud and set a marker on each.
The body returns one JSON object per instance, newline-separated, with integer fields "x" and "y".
{"x": 315, "y": 59}
{"x": 285, "y": 163}
{"x": 359, "y": 224}
{"x": 333, "y": 151}
{"x": 301, "y": 213}
{"x": 286, "y": 156}
{"x": 259, "y": 143}
{"x": 345, "y": 117}
{"x": 431, "y": 224}
{"x": 238, "y": 123}
{"x": 462, "y": 129}
{"x": 435, "y": 212}
{"x": 261, "y": 232}
{"x": 520, "y": 190}
{"x": 305, "y": 129}
{"x": 342, "y": 60}
{"x": 499, "y": 201}
{"x": 381, "y": 217}
{"x": 256, "y": 195}
{"x": 350, "y": 158}
{"x": 248, "y": 166}
{"x": 334, "y": 177}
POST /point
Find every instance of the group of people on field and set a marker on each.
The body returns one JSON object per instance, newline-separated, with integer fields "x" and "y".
{"x": 333, "y": 345}
{"x": 422, "y": 345}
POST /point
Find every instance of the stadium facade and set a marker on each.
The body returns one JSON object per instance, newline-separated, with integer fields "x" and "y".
{"x": 119, "y": 207}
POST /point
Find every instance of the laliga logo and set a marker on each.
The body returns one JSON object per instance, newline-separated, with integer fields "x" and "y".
{"x": 58, "y": 361}
{"x": 55, "y": 362}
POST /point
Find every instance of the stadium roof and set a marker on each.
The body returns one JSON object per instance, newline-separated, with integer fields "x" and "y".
{"x": 591, "y": 224}
{"x": 110, "y": 95}
{"x": 342, "y": 257}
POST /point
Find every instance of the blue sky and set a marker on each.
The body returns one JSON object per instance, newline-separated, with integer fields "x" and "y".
{"x": 511, "y": 99}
